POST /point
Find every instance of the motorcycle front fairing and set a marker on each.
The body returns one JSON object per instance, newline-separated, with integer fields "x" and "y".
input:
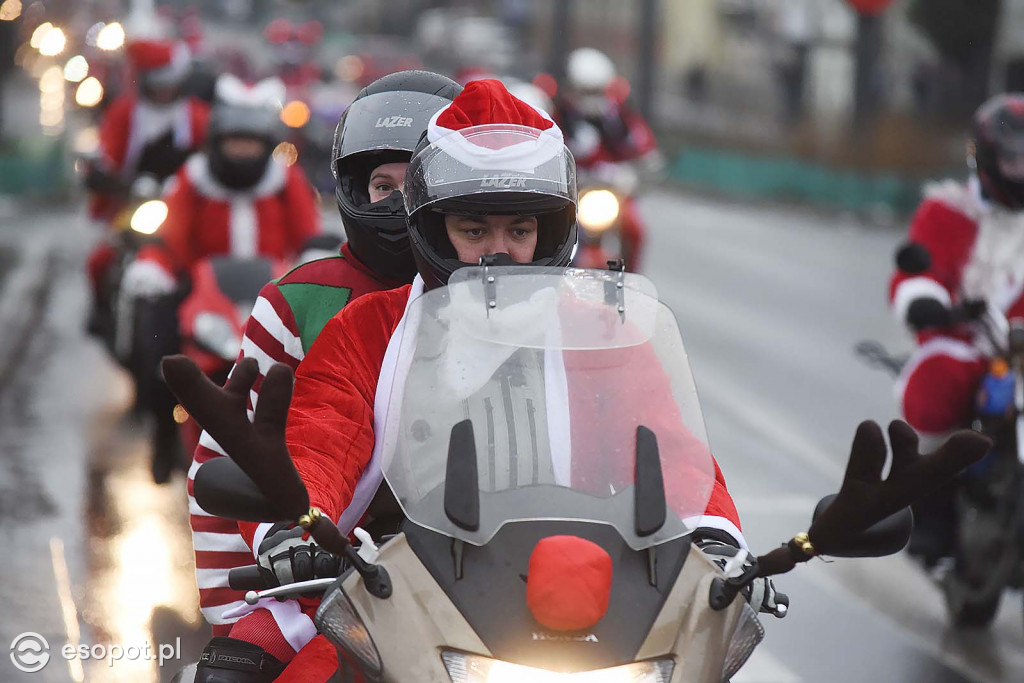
{"x": 514, "y": 415}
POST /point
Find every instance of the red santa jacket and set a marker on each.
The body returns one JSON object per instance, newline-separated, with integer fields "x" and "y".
{"x": 330, "y": 431}
{"x": 975, "y": 250}
{"x": 129, "y": 125}
{"x": 204, "y": 218}
{"x": 622, "y": 135}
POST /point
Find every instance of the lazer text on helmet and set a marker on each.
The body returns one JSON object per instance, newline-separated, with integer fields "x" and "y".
{"x": 394, "y": 122}
{"x": 505, "y": 180}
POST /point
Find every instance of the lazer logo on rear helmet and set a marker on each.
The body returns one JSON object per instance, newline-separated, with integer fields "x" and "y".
{"x": 394, "y": 122}
{"x": 506, "y": 180}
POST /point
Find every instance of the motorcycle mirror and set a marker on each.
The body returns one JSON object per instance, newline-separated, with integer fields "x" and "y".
{"x": 650, "y": 507}
{"x": 223, "y": 489}
{"x": 462, "y": 489}
{"x": 886, "y": 537}
{"x": 913, "y": 258}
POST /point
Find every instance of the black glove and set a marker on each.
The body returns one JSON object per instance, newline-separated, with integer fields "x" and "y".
{"x": 926, "y": 312}
{"x": 760, "y": 593}
{"x": 284, "y": 557}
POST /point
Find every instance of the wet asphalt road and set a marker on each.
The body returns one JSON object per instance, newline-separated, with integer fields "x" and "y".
{"x": 770, "y": 302}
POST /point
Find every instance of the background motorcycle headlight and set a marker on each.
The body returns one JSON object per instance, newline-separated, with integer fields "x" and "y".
{"x": 598, "y": 210}
{"x": 217, "y": 334}
{"x": 337, "y": 619}
{"x": 150, "y": 215}
{"x": 467, "y": 668}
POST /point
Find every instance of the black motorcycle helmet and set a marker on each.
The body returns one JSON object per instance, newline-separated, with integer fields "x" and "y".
{"x": 996, "y": 149}
{"x": 383, "y": 125}
{"x": 243, "y": 112}
{"x": 490, "y": 169}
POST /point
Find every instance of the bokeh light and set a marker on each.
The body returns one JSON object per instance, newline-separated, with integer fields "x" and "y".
{"x": 76, "y": 69}
{"x": 110, "y": 37}
{"x": 10, "y": 10}
{"x": 89, "y": 93}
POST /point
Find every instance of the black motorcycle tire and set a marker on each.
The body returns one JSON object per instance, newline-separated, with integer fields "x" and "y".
{"x": 972, "y": 614}
{"x": 975, "y": 566}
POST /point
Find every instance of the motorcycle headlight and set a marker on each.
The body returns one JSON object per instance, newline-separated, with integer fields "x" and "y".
{"x": 598, "y": 210}
{"x": 467, "y": 668}
{"x": 150, "y": 215}
{"x": 337, "y": 619}
{"x": 216, "y": 334}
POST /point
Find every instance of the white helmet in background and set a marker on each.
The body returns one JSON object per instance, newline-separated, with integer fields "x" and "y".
{"x": 529, "y": 93}
{"x": 589, "y": 70}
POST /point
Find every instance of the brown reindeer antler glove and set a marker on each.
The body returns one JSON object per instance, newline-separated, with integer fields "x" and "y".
{"x": 866, "y": 499}
{"x": 258, "y": 446}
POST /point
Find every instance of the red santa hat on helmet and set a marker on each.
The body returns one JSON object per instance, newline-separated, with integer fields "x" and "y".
{"x": 161, "y": 61}
{"x": 466, "y": 129}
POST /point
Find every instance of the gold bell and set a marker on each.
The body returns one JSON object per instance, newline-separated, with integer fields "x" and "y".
{"x": 803, "y": 542}
{"x": 310, "y": 518}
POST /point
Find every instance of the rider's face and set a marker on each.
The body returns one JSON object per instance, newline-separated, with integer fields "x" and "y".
{"x": 385, "y": 179}
{"x": 163, "y": 95}
{"x": 240, "y": 148}
{"x": 474, "y": 236}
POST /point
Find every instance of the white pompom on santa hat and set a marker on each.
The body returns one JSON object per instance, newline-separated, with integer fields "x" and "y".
{"x": 456, "y": 129}
{"x": 161, "y": 60}
{"x": 268, "y": 93}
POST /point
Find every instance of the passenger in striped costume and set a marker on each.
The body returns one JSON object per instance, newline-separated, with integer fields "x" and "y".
{"x": 373, "y": 144}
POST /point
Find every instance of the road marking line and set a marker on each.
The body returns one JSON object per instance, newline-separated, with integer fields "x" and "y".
{"x": 67, "y": 605}
{"x": 762, "y": 667}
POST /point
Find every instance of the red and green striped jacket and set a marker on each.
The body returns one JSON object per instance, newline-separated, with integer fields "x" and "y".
{"x": 287, "y": 317}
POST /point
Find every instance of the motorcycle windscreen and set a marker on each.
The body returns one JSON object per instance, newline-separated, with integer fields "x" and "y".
{"x": 556, "y": 370}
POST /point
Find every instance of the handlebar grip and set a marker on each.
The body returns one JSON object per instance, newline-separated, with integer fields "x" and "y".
{"x": 247, "y": 579}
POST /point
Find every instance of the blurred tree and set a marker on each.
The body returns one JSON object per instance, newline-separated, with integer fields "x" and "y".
{"x": 963, "y": 32}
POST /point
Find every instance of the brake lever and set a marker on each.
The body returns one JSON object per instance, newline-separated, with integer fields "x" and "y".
{"x": 289, "y": 590}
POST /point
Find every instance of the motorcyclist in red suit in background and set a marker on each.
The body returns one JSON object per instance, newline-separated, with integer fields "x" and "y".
{"x": 966, "y": 242}
{"x": 150, "y": 131}
{"x": 610, "y": 140}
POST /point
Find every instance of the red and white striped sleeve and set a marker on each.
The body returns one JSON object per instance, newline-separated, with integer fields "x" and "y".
{"x": 270, "y": 336}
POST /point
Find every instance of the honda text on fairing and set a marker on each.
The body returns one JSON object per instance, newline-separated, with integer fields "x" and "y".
{"x": 519, "y": 551}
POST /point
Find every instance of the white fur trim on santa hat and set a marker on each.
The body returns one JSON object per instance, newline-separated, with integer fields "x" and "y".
{"x": 174, "y": 72}
{"x": 523, "y": 156}
{"x": 270, "y": 92}
{"x": 917, "y": 288}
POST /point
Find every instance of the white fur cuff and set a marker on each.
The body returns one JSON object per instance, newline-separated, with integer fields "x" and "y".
{"x": 916, "y": 288}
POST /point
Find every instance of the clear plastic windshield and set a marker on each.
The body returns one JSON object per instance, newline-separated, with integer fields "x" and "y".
{"x": 519, "y": 394}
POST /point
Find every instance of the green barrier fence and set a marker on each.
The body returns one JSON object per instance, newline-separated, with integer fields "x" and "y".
{"x": 790, "y": 179}
{"x": 34, "y": 167}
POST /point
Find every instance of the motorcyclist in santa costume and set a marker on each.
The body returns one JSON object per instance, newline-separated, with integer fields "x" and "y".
{"x": 966, "y": 243}
{"x": 151, "y": 131}
{"x": 369, "y": 163}
{"x": 609, "y": 139}
{"x": 233, "y": 199}
{"x": 236, "y": 197}
{"x": 342, "y": 384}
